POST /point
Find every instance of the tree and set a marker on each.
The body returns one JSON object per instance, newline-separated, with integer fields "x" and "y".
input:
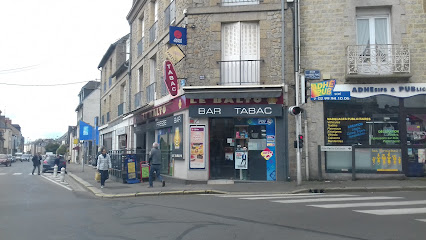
{"x": 52, "y": 147}
{"x": 62, "y": 150}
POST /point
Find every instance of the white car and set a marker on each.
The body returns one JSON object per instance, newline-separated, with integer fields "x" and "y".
{"x": 26, "y": 157}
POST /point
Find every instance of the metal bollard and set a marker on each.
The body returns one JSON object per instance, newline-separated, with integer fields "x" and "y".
{"x": 62, "y": 174}
{"x": 55, "y": 170}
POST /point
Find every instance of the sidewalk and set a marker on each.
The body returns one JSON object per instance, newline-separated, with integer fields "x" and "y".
{"x": 115, "y": 189}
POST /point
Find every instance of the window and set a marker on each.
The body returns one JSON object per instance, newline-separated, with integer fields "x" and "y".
{"x": 373, "y": 39}
{"x": 156, "y": 11}
{"x": 170, "y": 14}
{"x": 128, "y": 49}
{"x": 140, "y": 79}
{"x": 240, "y": 63}
{"x": 152, "y": 69}
{"x": 141, "y": 34}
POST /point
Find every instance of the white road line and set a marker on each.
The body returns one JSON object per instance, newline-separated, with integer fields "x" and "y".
{"x": 400, "y": 211}
{"x": 19, "y": 173}
{"x": 56, "y": 183}
{"x": 369, "y": 204}
{"x": 295, "y": 196}
{"x": 265, "y": 195}
{"x": 421, "y": 220}
{"x": 335, "y": 199}
{"x": 2, "y": 174}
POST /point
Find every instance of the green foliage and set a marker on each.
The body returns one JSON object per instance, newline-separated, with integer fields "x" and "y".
{"x": 62, "y": 150}
{"x": 52, "y": 147}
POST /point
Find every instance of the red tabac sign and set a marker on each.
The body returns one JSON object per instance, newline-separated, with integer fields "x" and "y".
{"x": 170, "y": 78}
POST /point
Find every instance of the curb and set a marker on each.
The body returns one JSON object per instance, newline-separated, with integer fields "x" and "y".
{"x": 364, "y": 189}
{"x": 99, "y": 193}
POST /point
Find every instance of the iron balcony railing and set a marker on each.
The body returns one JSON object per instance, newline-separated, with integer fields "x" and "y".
{"x": 239, "y": 2}
{"x": 153, "y": 32}
{"x": 240, "y": 72}
{"x": 140, "y": 47}
{"x": 378, "y": 59}
{"x": 170, "y": 14}
{"x": 120, "y": 109}
{"x": 150, "y": 93}
{"x": 138, "y": 99}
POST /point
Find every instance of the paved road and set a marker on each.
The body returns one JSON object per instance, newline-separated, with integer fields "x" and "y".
{"x": 33, "y": 207}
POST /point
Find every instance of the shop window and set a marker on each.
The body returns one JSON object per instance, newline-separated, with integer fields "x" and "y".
{"x": 367, "y": 121}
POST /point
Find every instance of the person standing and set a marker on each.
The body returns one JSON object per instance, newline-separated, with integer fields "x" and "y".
{"x": 104, "y": 163}
{"x": 155, "y": 163}
{"x": 36, "y": 163}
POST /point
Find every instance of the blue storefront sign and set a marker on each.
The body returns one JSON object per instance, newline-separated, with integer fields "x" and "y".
{"x": 177, "y": 35}
{"x": 313, "y": 74}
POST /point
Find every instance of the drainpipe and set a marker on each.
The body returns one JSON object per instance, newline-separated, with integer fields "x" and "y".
{"x": 129, "y": 72}
{"x": 285, "y": 116}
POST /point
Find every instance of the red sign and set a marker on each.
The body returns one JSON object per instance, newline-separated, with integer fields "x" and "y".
{"x": 267, "y": 154}
{"x": 170, "y": 78}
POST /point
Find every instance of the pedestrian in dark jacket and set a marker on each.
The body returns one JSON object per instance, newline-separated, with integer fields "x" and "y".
{"x": 57, "y": 159}
{"x": 104, "y": 163}
{"x": 155, "y": 162}
{"x": 36, "y": 163}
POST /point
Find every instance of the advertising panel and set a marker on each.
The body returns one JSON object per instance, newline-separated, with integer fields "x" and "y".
{"x": 197, "y": 149}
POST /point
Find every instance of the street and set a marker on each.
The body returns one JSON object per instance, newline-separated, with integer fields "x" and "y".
{"x": 32, "y": 207}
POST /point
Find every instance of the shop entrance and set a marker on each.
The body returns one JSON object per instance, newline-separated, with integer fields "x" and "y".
{"x": 416, "y": 143}
{"x": 165, "y": 139}
{"x": 221, "y": 129}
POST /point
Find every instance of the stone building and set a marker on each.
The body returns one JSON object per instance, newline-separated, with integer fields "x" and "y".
{"x": 227, "y": 119}
{"x": 368, "y": 94}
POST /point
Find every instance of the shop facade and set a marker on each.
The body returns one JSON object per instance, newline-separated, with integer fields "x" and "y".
{"x": 237, "y": 138}
{"x": 384, "y": 123}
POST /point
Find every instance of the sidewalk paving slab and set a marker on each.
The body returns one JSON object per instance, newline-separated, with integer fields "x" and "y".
{"x": 115, "y": 189}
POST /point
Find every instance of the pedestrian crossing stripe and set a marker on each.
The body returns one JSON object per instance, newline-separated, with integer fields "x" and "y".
{"x": 17, "y": 174}
{"x": 399, "y": 211}
{"x": 1, "y": 174}
{"x": 263, "y": 195}
{"x": 298, "y": 196}
{"x": 421, "y": 220}
{"x": 369, "y": 204}
{"x": 335, "y": 199}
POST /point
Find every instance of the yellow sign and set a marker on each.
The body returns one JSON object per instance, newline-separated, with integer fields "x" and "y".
{"x": 75, "y": 140}
{"x": 175, "y": 54}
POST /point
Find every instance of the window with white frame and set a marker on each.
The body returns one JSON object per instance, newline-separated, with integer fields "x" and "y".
{"x": 128, "y": 49}
{"x": 373, "y": 38}
{"x": 240, "y": 63}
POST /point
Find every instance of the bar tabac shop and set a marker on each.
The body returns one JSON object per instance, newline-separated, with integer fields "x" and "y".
{"x": 385, "y": 123}
{"x": 242, "y": 135}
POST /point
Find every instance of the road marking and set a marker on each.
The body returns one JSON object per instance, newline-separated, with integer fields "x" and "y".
{"x": 56, "y": 183}
{"x": 19, "y": 173}
{"x": 400, "y": 211}
{"x": 421, "y": 220}
{"x": 296, "y": 196}
{"x": 1, "y": 174}
{"x": 369, "y": 204}
{"x": 335, "y": 199}
{"x": 265, "y": 195}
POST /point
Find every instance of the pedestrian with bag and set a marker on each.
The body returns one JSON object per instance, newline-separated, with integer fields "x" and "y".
{"x": 36, "y": 163}
{"x": 155, "y": 163}
{"x": 104, "y": 163}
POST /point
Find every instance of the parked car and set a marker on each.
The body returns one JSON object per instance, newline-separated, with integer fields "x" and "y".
{"x": 12, "y": 158}
{"x": 49, "y": 163}
{"x": 26, "y": 157}
{"x": 18, "y": 156}
{"x": 4, "y": 160}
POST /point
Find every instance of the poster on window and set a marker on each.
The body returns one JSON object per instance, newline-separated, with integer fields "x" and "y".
{"x": 241, "y": 159}
{"x": 197, "y": 157}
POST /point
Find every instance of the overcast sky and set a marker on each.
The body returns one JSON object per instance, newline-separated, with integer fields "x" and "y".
{"x": 47, "y": 42}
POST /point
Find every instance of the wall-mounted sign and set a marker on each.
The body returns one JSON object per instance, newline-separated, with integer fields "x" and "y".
{"x": 235, "y": 101}
{"x": 175, "y": 54}
{"x": 170, "y": 78}
{"x": 177, "y": 35}
{"x": 267, "y": 154}
{"x": 197, "y": 147}
{"x": 325, "y": 90}
{"x": 174, "y": 105}
{"x": 401, "y": 90}
{"x": 336, "y": 148}
{"x": 313, "y": 74}
{"x": 235, "y": 111}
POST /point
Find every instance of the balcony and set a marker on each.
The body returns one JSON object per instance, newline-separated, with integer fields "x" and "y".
{"x": 170, "y": 14}
{"x": 239, "y": 2}
{"x": 150, "y": 93}
{"x": 120, "y": 109}
{"x": 240, "y": 72}
{"x": 153, "y": 33}
{"x": 378, "y": 61}
{"x": 138, "y": 99}
{"x": 140, "y": 47}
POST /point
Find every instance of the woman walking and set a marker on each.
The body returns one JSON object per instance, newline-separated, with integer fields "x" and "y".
{"x": 104, "y": 163}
